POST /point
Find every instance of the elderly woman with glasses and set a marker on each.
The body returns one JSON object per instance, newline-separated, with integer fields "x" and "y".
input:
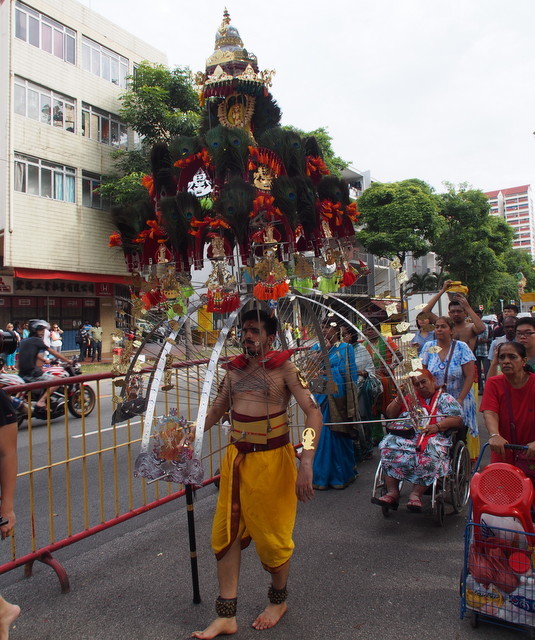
{"x": 418, "y": 456}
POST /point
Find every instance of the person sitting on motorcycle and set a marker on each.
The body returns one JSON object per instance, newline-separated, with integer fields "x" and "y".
{"x": 31, "y": 356}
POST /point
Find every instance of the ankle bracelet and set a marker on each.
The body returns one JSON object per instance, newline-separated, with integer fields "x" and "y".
{"x": 226, "y": 607}
{"x": 277, "y": 596}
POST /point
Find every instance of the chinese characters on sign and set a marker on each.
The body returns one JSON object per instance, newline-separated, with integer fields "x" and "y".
{"x": 55, "y": 287}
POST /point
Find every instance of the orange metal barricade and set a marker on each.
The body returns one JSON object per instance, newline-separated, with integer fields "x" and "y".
{"x": 76, "y": 475}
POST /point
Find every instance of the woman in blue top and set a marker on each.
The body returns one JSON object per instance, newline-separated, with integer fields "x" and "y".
{"x": 452, "y": 363}
{"x": 334, "y": 462}
{"x": 425, "y": 330}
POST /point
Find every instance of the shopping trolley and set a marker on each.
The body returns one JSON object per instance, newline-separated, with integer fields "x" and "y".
{"x": 498, "y": 577}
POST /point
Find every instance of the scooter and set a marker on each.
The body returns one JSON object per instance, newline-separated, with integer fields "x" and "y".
{"x": 78, "y": 404}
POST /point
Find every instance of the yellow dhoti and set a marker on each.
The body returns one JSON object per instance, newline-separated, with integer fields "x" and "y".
{"x": 257, "y": 501}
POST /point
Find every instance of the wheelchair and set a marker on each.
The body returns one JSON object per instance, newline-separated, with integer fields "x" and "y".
{"x": 453, "y": 488}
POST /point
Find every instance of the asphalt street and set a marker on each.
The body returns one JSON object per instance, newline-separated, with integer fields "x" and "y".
{"x": 355, "y": 575}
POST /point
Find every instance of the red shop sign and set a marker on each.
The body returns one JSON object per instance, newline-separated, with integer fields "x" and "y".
{"x": 104, "y": 289}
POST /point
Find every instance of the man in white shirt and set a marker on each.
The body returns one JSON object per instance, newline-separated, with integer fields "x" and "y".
{"x": 509, "y": 327}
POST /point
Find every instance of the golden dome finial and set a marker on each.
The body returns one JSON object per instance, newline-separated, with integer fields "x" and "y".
{"x": 225, "y": 22}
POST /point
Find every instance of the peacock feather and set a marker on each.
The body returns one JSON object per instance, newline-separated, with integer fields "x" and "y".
{"x": 333, "y": 189}
{"x": 234, "y": 206}
{"x": 163, "y": 172}
{"x": 288, "y": 145}
{"x": 229, "y": 151}
{"x": 130, "y": 220}
{"x": 183, "y": 146}
{"x": 284, "y": 190}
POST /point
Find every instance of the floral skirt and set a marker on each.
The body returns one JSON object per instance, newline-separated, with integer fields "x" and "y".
{"x": 401, "y": 461}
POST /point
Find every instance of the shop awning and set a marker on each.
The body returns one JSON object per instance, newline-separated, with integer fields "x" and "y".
{"x": 44, "y": 274}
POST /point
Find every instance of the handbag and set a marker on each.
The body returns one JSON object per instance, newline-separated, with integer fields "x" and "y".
{"x": 453, "y": 345}
{"x": 525, "y": 464}
{"x": 403, "y": 429}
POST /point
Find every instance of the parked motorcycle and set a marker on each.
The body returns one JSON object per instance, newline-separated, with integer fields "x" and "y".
{"x": 78, "y": 404}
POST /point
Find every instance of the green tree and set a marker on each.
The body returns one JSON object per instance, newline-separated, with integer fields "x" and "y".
{"x": 160, "y": 103}
{"x": 471, "y": 245}
{"x": 398, "y": 218}
{"x": 334, "y": 163}
{"x": 519, "y": 261}
{"x": 421, "y": 282}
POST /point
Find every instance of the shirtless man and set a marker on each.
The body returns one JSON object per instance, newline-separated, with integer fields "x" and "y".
{"x": 459, "y": 311}
{"x": 260, "y": 484}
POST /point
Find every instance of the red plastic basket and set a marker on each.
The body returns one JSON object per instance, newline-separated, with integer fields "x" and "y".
{"x": 502, "y": 489}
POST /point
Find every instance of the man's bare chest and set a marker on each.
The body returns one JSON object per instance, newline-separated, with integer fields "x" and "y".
{"x": 258, "y": 381}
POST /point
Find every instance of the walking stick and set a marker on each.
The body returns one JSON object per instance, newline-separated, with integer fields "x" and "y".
{"x": 192, "y": 545}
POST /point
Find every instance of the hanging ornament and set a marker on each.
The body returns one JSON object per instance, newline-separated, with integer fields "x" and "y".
{"x": 328, "y": 283}
{"x": 391, "y": 309}
{"x": 271, "y": 274}
{"x": 363, "y": 269}
{"x": 263, "y": 177}
{"x": 152, "y": 298}
{"x": 200, "y": 185}
{"x": 222, "y": 295}
{"x": 349, "y": 275}
{"x": 304, "y": 274}
{"x": 168, "y": 373}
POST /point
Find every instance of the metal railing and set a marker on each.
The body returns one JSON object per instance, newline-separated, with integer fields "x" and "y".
{"x": 76, "y": 475}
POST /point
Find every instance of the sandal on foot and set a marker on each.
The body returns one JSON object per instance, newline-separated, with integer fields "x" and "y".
{"x": 414, "y": 505}
{"x": 386, "y": 501}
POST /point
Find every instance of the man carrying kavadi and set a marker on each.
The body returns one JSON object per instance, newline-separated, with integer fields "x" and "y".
{"x": 260, "y": 482}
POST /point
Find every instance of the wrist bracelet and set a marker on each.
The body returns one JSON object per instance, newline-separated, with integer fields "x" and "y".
{"x": 493, "y": 434}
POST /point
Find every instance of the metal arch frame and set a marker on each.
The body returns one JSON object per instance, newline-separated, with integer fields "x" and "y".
{"x": 135, "y": 358}
{"x": 210, "y": 374}
{"x": 324, "y": 352}
{"x": 156, "y": 376}
{"x": 351, "y": 308}
{"x": 214, "y": 360}
{"x": 350, "y": 324}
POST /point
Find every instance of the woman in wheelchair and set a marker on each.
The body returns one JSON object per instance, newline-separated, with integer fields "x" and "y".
{"x": 418, "y": 456}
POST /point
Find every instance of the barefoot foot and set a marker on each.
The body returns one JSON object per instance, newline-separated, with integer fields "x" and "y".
{"x": 8, "y": 614}
{"x": 219, "y": 627}
{"x": 270, "y": 616}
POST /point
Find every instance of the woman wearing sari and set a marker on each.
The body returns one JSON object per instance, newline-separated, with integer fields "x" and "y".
{"x": 334, "y": 462}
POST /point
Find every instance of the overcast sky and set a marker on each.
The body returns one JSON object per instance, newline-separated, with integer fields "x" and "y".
{"x": 407, "y": 88}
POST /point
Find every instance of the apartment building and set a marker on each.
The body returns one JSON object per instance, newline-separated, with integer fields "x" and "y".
{"x": 65, "y": 68}
{"x": 515, "y": 206}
